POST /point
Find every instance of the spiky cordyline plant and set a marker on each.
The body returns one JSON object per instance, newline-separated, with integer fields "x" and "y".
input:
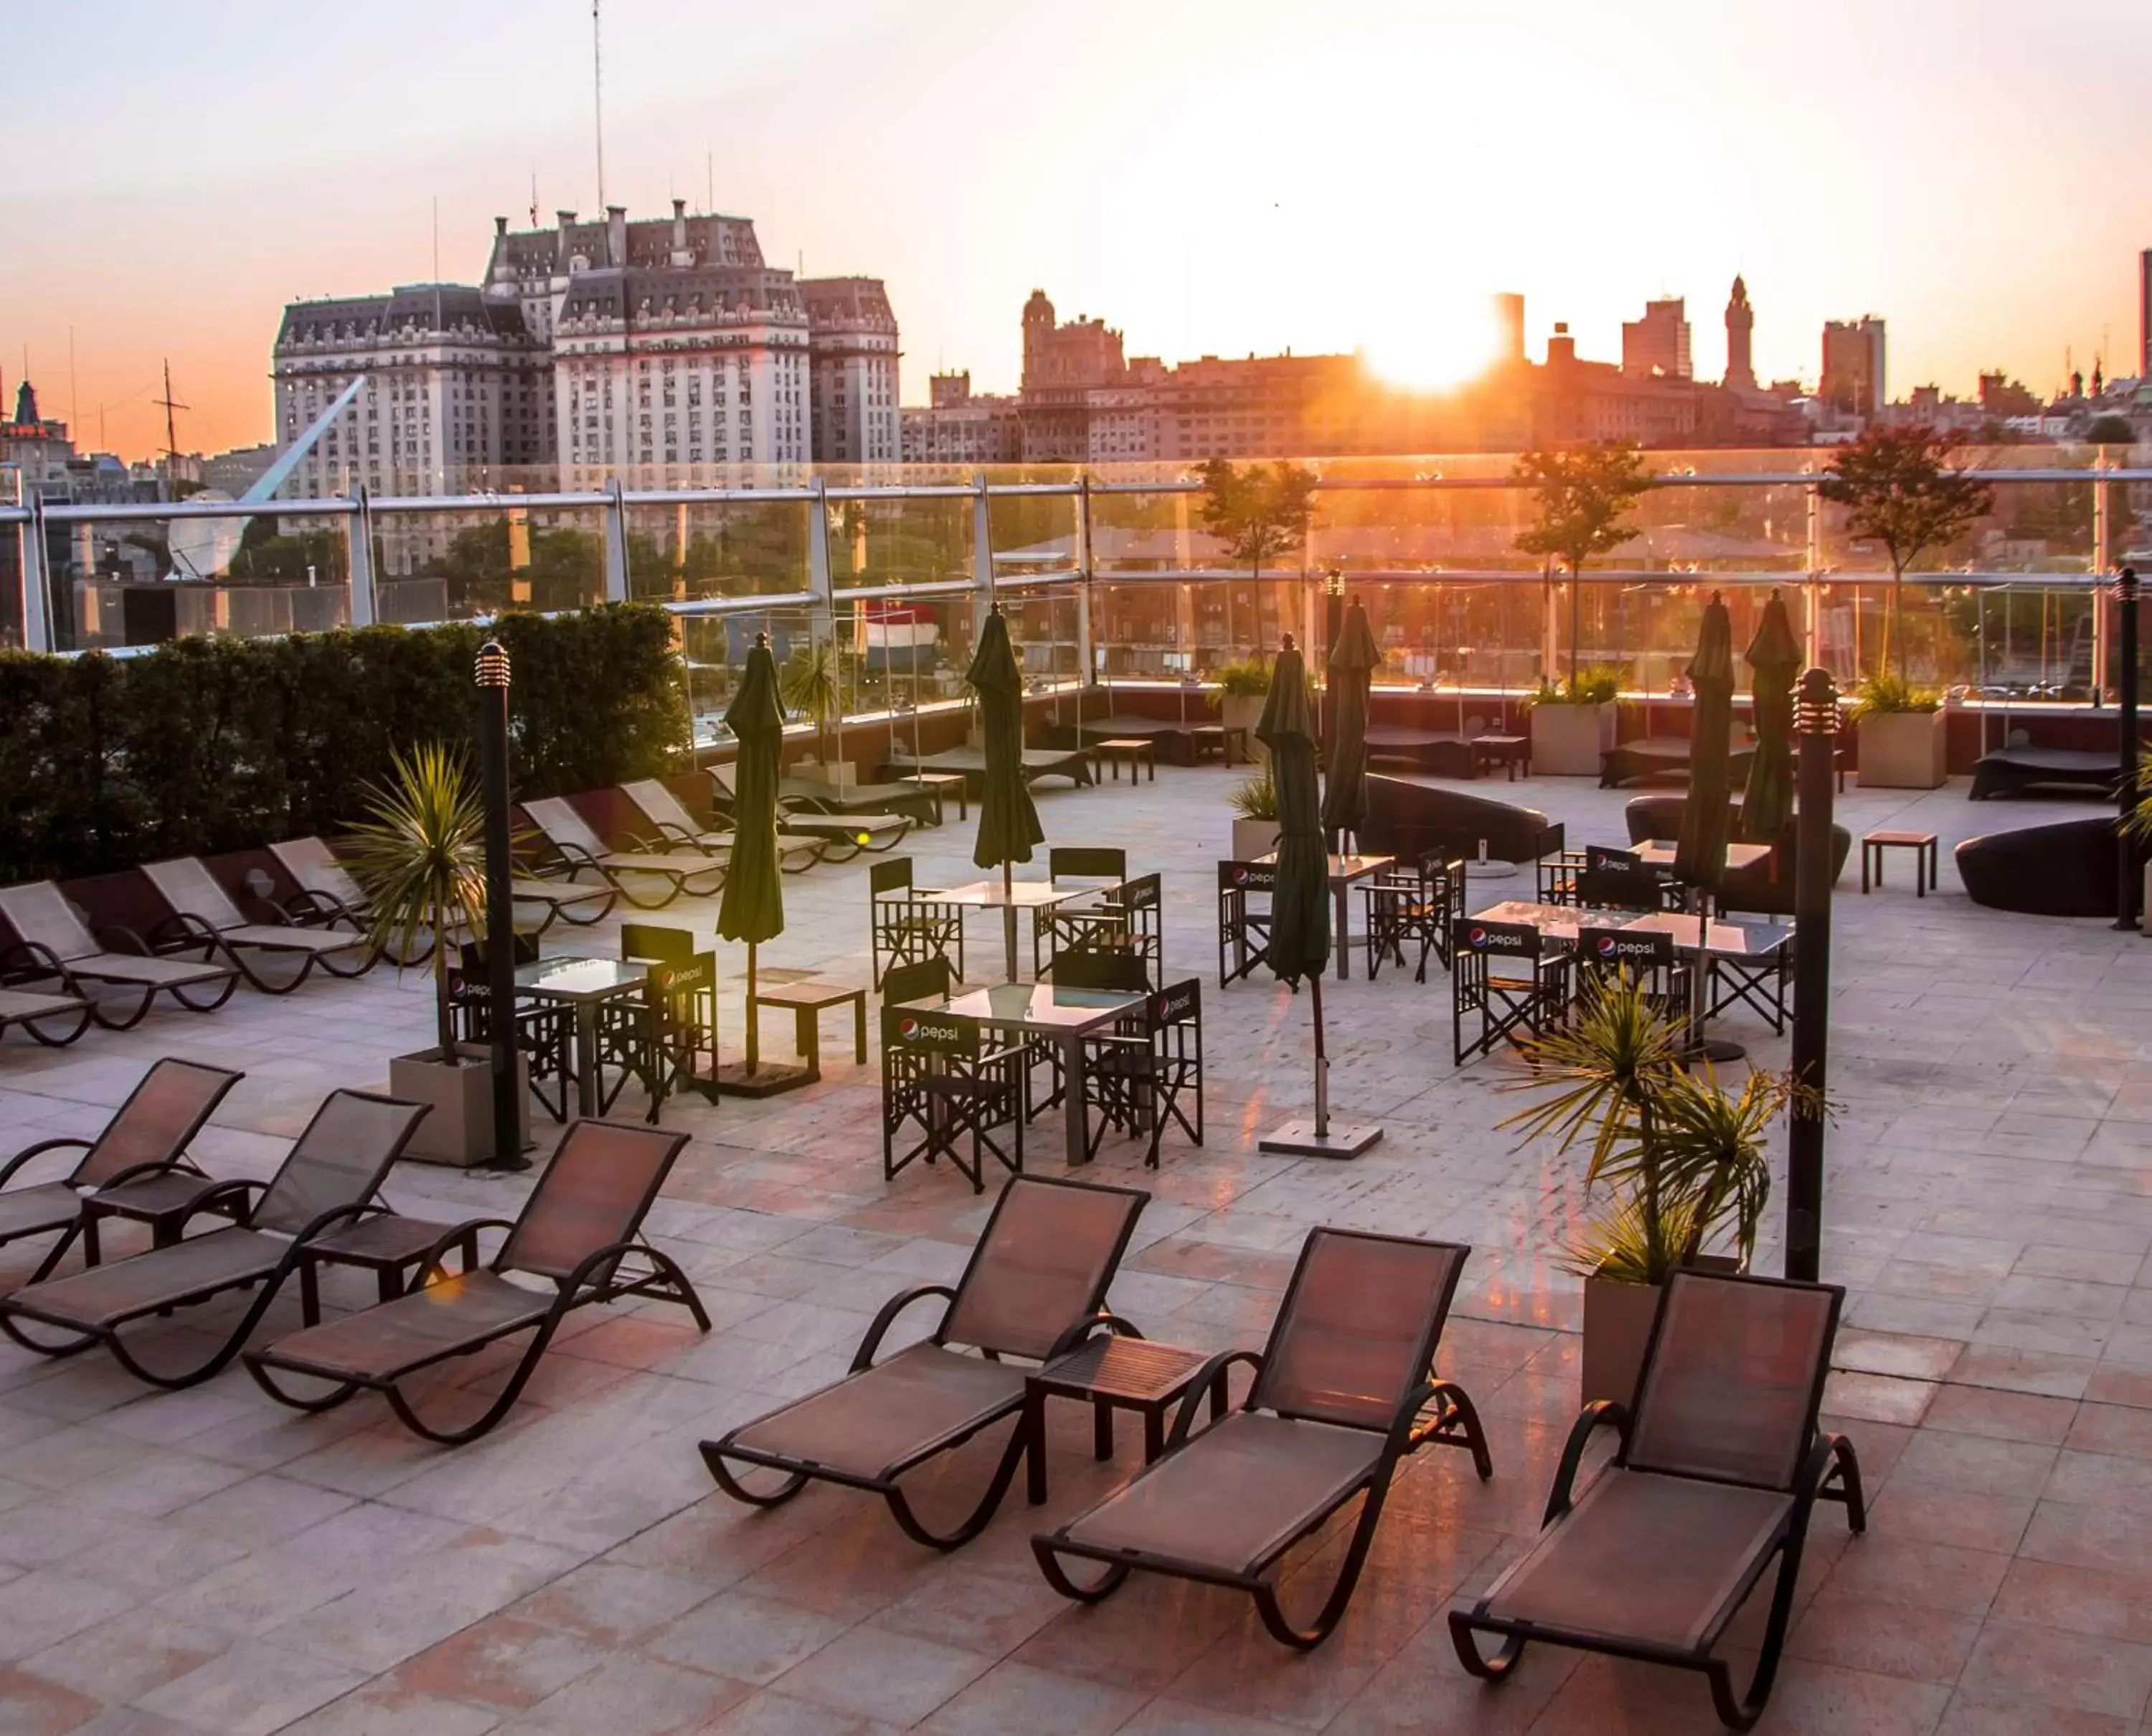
{"x": 421, "y": 858}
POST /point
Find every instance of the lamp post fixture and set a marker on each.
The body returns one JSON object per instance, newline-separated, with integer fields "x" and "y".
{"x": 492, "y": 677}
{"x": 1334, "y": 623}
{"x": 2126, "y": 881}
{"x": 1815, "y": 728}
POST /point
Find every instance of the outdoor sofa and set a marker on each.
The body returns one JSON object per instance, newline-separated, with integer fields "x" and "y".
{"x": 1407, "y": 819}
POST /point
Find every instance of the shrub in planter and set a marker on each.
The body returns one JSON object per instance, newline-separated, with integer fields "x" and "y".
{"x": 1900, "y": 730}
{"x": 1574, "y": 723}
{"x": 1256, "y": 817}
{"x": 1239, "y": 689}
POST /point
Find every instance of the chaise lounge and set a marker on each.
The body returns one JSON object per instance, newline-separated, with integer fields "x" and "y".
{"x": 52, "y": 943}
{"x": 576, "y": 847}
{"x": 328, "y": 894}
{"x": 200, "y": 912}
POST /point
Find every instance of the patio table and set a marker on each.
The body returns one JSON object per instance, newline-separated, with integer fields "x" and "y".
{"x": 1659, "y": 853}
{"x": 1063, "y": 1017}
{"x": 585, "y": 984}
{"x": 1346, "y": 872}
{"x": 1751, "y": 962}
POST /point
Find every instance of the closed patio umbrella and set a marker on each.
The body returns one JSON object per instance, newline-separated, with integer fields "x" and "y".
{"x": 1700, "y": 856}
{"x": 1353, "y": 660}
{"x": 753, "y": 906}
{"x": 1008, "y": 822}
{"x": 1774, "y": 658}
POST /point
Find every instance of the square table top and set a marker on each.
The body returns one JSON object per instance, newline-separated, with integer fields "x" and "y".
{"x": 1726, "y": 940}
{"x": 1660, "y": 852}
{"x": 1018, "y": 894}
{"x": 580, "y": 979}
{"x": 1038, "y": 1007}
{"x": 1345, "y": 869}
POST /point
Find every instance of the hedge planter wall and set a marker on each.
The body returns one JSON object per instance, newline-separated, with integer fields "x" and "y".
{"x": 208, "y": 745}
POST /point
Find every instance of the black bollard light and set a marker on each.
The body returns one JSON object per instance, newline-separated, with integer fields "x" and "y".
{"x": 1815, "y": 729}
{"x": 492, "y": 673}
{"x": 2126, "y": 882}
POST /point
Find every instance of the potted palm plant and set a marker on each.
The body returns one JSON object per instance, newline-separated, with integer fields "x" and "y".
{"x": 1237, "y": 692}
{"x": 1677, "y": 1162}
{"x": 1255, "y": 816}
{"x": 812, "y": 685}
{"x": 421, "y": 858}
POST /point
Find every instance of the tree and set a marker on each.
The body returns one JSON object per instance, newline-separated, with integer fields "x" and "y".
{"x": 1257, "y": 512}
{"x": 1899, "y": 491}
{"x": 2111, "y": 431}
{"x": 1582, "y": 495}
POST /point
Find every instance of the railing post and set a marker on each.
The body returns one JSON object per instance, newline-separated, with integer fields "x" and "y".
{"x": 982, "y": 558}
{"x": 37, "y": 584}
{"x": 1816, "y": 733}
{"x": 358, "y": 559}
{"x": 616, "y": 545}
{"x": 2102, "y": 561}
{"x": 1086, "y": 661}
{"x": 1812, "y": 560}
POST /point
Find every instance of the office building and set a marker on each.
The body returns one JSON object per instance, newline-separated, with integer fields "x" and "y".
{"x": 852, "y": 357}
{"x": 1656, "y": 346}
{"x": 1853, "y": 377}
{"x": 956, "y": 428}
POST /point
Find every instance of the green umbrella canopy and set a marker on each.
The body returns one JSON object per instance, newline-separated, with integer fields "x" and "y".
{"x": 1008, "y": 822}
{"x": 753, "y": 905}
{"x": 1352, "y": 661}
{"x": 1774, "y": 658}
{"x": 1300, "y": 902}
{"x": 1700, "y": 859}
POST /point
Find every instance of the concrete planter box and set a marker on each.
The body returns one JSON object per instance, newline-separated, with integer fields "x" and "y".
{"x": 1253, "y": 838}
{"x": 837, "y": 773}
{"x": 1902, "y": 750}
{"x": 460, "y": 1130}
{"x": 1618, "y": 1327}
{"x": 1242, "y": 711}
{"x": 1567, "y": 740}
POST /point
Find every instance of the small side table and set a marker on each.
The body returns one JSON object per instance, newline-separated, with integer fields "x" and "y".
{"x": 1115, "y": 1373}
{"x": 386, "y": 1244}
{"x": 1134, "y": 750}
{"x": 808, "y": 1001}
{"x": 1506, "y": 751}
{"x": 941, "y": 785}
{"x": 1230, "y": 740}
{"x": 1923, "y": 847}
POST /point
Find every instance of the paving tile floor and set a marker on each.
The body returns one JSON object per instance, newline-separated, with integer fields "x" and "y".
{"x": 205, "y": 1561}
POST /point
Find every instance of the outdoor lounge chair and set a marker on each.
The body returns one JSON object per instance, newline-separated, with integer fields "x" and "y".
{"x": 328, "y": 1180}
{"x": 329, "y": 894}
{"x": 576, "y": 847}
{"x": 202, "y": 913}
{"x": 1719, "y": 1467}
{"x": 137, "y": 1168}
{"x": 1343, "y": 1391}
{"x": 579, "y": 1234}
{"x": 1032, "y": 1289}
{"x": 52, "y": 942}
{"x": 848, "y": 833}
{"x": 675, "y": 828}
{"x": 54, "y": 1020}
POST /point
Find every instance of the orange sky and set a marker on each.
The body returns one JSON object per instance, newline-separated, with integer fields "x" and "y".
{"x": 1219, "y": 175}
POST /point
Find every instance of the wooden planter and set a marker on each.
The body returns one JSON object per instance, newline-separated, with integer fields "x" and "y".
{"x": 1567, "y": 740}
{"x": 1618, "y": 1327}
{"x": 1902, "y": 750}
{"x": 460, "y": 1130}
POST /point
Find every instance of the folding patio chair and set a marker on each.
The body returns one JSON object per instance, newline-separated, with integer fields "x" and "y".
{"x": 52, "y": 942}
{"x": 940, "y": 1076}
{"x": 1344, "y": 1388}
{"x": 1421, "y": 905}
{"x": 1136, "y": 1078}
{"x": 137, "y": 1168}
{"x": 1719, "y": 1471}
{"x": 578, "y": 1240}
{"x": 1033, "y": 1289}
{"x": 1093, "y": 922}
{"x": 672, "y": 827}
{"x": 1244, "y": 930}
{"x": 545, "y": 1031}
{"x": 328, "y": 894}
{"x": 200, "y": 912}
{"x": 576, "y": 847}
{"x": 1501, "y": 970}
{"x": 906, "y": 923}
{"x": 329, "y": 1179}
{"x": 798, "y": 823}
{"x": 1648, "y": 956}
{"x": 928, "y": 979}
{"x": 666, "y": 1038}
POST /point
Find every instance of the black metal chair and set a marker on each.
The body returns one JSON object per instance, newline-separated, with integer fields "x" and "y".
{"x": 1617, "y": 886}
{"x": 905, "y": 927}
{"x": 1648, "y": 956}
{"x": 928, "y": 979}
{"x": 1557, "y": 876}
{"x": 939, "y": 1078}
{"x": 545, "y": 1033}
{"x": 1501, "y": 971}
{"x": 1244, "y": 927}
{"x": 666, "y": 1039}
{"x": 1420, "y": 905}
{"x": 1137, "y": 1077}
{"x": 1094, "y": 922}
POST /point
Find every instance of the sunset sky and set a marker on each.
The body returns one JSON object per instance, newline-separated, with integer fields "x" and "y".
{"x": 1210, "y": 176}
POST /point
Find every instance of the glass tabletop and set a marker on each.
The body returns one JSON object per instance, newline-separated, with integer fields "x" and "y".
{"x": 1017, "y": 894}
{"x": 1041, "y": 1006}
{"x": 1659, "y": 853}
{"x": 1347, "y": 869}
{"x": 578, "y": 978}
{"x": 1729, "y": 939}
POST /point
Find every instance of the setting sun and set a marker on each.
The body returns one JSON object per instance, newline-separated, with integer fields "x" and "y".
{"x": 1440, "y": 345}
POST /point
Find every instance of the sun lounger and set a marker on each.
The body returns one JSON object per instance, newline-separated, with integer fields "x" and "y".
{"x": 848, "y": 832}
{"x": 328, "y": 1180}
{"x": 54, "y": 1020}
{"x": 52, "y": 942}
{"x": 677, "y": 829}
{"x": 1343, "y": 1391}
{"x": 1073, "y": 764}
{"x": 1033, "y": 1290}
{"x": 327, "y": 894}
{"x": 202, "y": 912}
{"x": 576, "y": 847}
{"x": 907, "y": 800}
{"x": 579, "y": 1236}
{"x": 137, "y": 1168}
{"x": 1719, "y": 1468}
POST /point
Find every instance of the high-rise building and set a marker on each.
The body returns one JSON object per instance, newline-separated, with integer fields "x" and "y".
{"x": 852, "y": 354}
{"x": 956, "y": 428}
{"x": 1853, "y": 380}
{"x": 1740, "y": 324}
{"x": 1509, "y": 328}
{"x": 1656, "y": 346}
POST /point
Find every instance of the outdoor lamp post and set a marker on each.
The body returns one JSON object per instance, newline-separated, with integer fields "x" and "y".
{"x": 1815, "y": 728}
{"x": 1334, "y": 623}
{"x": 492, "y": 674}
{"x": 2125, "y": 789}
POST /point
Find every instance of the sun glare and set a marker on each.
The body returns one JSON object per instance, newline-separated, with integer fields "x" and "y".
{"x": 1441, "y": 347}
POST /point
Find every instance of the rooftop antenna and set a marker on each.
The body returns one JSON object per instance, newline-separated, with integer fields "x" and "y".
{"x": 171, "y": 428}
{"x": 437, "y": 237}
{"x": 710, "y": 179}
{"x": 74, "y": 409}
{"x": 597, "y": 96}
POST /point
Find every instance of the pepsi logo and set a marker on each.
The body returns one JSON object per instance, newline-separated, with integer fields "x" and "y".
{"x": 908, "y": 1029}
{"x": 1240, "y": 876}
{"x": 1607, "y": 946}
{"x": 1479, "y": 937}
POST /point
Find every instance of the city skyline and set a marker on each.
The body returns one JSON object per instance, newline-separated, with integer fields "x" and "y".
{"x": 1984, "y": 209}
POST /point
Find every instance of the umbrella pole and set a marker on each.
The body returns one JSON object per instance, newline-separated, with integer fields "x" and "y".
{"x": 753, "y": 1024}
{"x": 1009, "y": 919}
{"x": 1321, "y": 1060}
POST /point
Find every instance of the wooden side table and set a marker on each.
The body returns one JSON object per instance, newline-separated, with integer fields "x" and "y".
{"x": 941, "y": 785}
{"x": 387, "y": 1245}
{"x": 808, "y": 1001}
{"x": 1506, "y": 751}
{"x": 1133, "y": 750}
{"x": 1229, "y": 741}
{"x": 1113, "y": 1373}
{"x": 1923, "y": 847}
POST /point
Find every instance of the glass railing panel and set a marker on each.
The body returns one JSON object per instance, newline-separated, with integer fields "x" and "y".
{"x": 492, "y": 557}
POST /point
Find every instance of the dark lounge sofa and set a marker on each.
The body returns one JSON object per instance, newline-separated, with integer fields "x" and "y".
{"x": 1406, "y": 818}
{"x": 1765, "y": 890}
{"x": 2063, "y": 869}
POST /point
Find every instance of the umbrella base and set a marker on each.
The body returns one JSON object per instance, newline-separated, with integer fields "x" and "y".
{"x": 1490, "y": 871}
{"x": 1717, "y": 1050}
{"x": 1299, "y": 1139}
{"x": 770, "y": 1079}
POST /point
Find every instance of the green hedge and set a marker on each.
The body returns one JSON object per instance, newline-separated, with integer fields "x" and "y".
{"x": 206, "y": 745}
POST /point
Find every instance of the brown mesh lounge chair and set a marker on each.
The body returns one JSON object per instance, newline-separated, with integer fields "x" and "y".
{"x": 846, "y": 833}
{"x": 1344, "y": 1388}
{"x": 579, "y": 1234}
{"x": 52, "y": 942}
{"x": 329, "y": 894}
{"x": 137, "y": 1168}
{"x": 675, "y": 828}
{"x": 329, "y": 1180}
{"x": 202, "y": 913}
{"x": 1719, "y": 1467}
{"x": 1033, "y": 1289}
{"x": 54, "y": 1020}
{"x": 576, "y": 847}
